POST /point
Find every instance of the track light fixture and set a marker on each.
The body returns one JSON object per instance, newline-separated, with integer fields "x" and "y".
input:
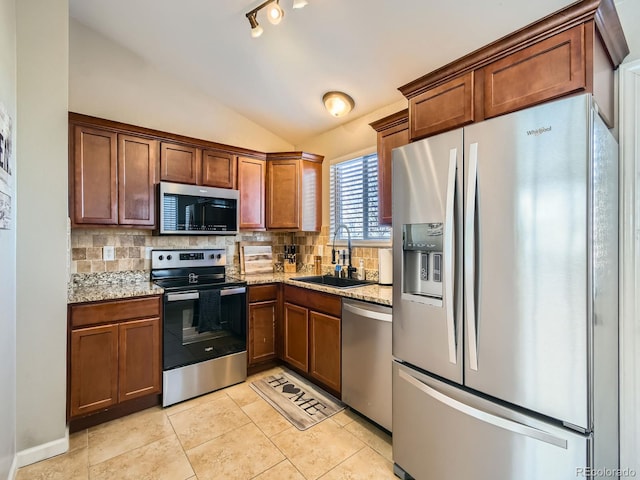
{"x": 275, "y": 13}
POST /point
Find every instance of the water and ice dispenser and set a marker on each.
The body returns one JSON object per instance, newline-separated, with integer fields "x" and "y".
{"x": 422, "y": 257}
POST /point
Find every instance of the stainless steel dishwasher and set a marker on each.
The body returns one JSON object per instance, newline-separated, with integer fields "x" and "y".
{"x": 366, "y": 359}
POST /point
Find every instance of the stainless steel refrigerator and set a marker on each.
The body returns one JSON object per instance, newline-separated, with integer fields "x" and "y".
{"x": 505, "y": 301}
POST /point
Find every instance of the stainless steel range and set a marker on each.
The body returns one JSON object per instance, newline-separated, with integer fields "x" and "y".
{"x": 204, "y": 315}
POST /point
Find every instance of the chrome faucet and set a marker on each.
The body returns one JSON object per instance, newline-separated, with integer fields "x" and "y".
{"x": 350, "y": 269}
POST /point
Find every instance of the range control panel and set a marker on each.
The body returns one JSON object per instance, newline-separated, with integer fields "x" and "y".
{"x": 210, "y": 257}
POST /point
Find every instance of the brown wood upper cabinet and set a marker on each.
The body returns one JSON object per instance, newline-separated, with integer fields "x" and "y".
{"x": 196, "y": 166}
{"x": 218, "y": 169}
{"x": 251, "y": 184}
{"x": 442, "y": 108}
{"x": 294, "y": 191}
{"x": 393, "y": 131}
{"x": 574, "y": 50}
{"x": 112, "y": 177}
{"x": 179, "y": 163}
{"x": 548, "y": 69}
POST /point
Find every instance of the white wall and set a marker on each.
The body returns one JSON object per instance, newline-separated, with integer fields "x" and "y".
{"x": 355, "y": 137}
{"x": 41, "y": 215}
{"x": 109, "y": 81}
{"x": 8, "y": 255}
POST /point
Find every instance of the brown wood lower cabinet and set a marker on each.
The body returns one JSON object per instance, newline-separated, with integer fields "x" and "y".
{"x": 139, "y": 362}
{"x": 296, "y": 334}
{"x": 117, "y": 358}
{"x": 263, "y": 313}
{"x": 312, "y": 339}
{"x": 324, "y": 349}
{"x": 94, "y": 369}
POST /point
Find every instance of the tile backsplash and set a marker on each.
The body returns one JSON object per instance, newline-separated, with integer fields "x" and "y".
{"x": 132, "y": 247}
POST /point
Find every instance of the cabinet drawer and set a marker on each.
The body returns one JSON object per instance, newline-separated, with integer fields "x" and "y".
{"x": 442, "y": 108}
{"x": 115, "y": 311}
{"x": 313, "y": 300}
{"x": 545, "y": 70}
{"x": 261, "y": 293}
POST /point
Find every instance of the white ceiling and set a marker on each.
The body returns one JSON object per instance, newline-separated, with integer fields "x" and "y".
{"x": 367, "y": 48}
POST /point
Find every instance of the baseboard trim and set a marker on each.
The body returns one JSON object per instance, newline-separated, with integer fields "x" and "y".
{"x": 42, "y": 452}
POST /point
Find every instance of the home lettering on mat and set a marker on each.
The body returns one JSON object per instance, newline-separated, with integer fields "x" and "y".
{"x": 309, "y": 404}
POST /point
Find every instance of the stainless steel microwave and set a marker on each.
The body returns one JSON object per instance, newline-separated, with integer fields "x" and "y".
{"x": 196, "y": 210}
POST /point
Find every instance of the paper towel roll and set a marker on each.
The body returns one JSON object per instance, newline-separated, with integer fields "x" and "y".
{"x": 385, "y": 266}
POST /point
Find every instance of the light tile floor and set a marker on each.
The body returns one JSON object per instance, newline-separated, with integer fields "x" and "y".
{"x": 229, "y": 434}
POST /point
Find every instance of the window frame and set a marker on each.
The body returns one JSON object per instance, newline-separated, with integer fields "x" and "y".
{"x": 376, "y": 242}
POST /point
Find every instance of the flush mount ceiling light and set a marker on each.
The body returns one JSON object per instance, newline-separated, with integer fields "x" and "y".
{"x": 338, "y": 104}
{"x": 275, "y": 13}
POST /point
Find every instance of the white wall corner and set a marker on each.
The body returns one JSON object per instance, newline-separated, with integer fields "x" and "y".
{"x": 13, "y": 470}
{"x": 629, "y": 79}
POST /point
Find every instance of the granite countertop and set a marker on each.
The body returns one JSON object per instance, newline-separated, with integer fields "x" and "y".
{"x": 374, "y": 292}
{"x": 93, "y": 292}
{"x": 111, "y": 291}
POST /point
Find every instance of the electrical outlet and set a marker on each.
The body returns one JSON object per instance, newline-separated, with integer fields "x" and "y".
{"x": 147, "y": 252}
{"x": 108, "y": 253}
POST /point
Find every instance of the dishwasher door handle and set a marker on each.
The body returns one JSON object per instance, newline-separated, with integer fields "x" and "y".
{"x": 363, "y": 312}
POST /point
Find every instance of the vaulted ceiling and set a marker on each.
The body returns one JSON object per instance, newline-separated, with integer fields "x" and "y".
{"x": 366, "y": 48}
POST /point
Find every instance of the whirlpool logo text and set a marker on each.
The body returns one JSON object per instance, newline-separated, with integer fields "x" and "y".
{"x": 539, "y": 131}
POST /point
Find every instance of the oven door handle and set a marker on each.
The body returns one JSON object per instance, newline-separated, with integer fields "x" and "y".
{"x": 177, "y": 297}
{"x": 232, "y": 291}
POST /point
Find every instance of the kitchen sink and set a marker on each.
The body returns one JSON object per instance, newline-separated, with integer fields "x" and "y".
{"x": 332, "y": 281}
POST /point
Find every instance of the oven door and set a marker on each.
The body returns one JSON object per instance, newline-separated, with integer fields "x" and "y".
{"x": 194, "y": 333}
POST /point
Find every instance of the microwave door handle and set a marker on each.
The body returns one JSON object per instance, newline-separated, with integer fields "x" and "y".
{"x": 177, "y": 297}
{"x": 469, "y": 256}
{"x": 232, "y": 291}
{"x": 449, "y": 246}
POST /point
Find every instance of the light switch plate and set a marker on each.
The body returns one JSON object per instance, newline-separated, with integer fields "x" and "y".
{"x": 108, "y": 253}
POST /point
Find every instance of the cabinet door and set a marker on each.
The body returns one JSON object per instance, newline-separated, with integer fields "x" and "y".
{"x": 262, "y": 321}
{"x": 543, "y": 71}
{"x": 179, "y": 163}
{"x": 139, "y": 365}
{"x": 218, "y": 169}
{"x": 296, "y": 334}
{"x": 442, "y": 108}
{"x": 251, "y": 183}
{"x": 283, "y": 194}
{"x": 94, "y": 369}
{"x": 137, "y": 174}
{"x": 325, "y": 349}
{"x": 389, "y": 139}
{"x": 95, "y": 193}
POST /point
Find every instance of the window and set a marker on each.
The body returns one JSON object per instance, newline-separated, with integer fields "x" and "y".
{"x": 354, "y": 199}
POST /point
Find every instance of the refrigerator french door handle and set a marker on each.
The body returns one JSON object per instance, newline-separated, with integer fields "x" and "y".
{"x": 470, "y": 255}
{"x": 448, "y": 255}
{"x": 483, "y": 416}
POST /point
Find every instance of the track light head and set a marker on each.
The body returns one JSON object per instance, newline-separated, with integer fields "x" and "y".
{"x": 275, "y": 12}
{"x": 256, "y": 29}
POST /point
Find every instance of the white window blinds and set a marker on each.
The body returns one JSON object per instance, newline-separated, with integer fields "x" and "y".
{"x": 354, "y": 199}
